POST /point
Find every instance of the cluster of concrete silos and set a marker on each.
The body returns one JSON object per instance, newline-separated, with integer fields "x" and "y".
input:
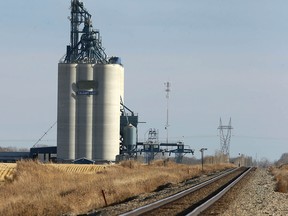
{"x": 89, "y": 110}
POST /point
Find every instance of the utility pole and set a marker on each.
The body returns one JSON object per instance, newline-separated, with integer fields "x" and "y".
{"x": 202, "y": 157}
{"x": 239, "y": 160}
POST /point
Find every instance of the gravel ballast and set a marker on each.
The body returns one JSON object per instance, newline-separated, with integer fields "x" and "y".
{"x": 254, "y": 196}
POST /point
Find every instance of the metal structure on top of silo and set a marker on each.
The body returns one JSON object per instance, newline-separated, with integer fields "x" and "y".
{"x": 90, "y": 86}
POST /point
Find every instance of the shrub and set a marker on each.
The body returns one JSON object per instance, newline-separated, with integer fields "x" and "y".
{"x": 281, "y": 177}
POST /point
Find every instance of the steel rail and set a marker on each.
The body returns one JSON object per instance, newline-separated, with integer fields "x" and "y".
{"x": 213, "y": 199}
{"x": 174, "y": 197}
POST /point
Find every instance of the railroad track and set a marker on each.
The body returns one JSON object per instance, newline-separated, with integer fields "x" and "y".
{"x": 195, "y": 199}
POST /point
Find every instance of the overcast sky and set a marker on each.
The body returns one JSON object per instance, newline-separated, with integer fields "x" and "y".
{"x": 223, "y": 58}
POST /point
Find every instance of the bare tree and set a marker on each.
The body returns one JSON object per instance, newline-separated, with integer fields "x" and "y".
{"x": 264, "y": 163}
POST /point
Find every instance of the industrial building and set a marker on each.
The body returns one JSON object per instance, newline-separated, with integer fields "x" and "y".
{"x": 45, "y": 154}
{"x": 90, "y": 89}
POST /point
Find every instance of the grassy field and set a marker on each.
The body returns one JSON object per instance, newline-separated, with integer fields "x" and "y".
{"x": 39, "y": 189}
{"x": 281, "y": 177}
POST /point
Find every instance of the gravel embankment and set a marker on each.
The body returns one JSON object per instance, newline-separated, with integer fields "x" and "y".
{"x": 254, "y": 196}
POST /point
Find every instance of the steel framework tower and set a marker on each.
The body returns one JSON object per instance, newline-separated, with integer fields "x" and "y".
{"x": 86, "y": 43}
{"x": 225, "y": 137}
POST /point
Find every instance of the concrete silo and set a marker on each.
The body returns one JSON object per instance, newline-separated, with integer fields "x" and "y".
{"x": 90, "y": 86}
{"x": 66, "y": 113}
{"x": 107, "y": 111}
{"x": 84, "y": 111}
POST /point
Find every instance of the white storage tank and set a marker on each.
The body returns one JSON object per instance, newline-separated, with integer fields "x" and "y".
{"x": 66, "y": 113}
{"x": 89, "y": 111}
{"x": 84, "y": 109}
{"x": 129, "y": 136}
{"x": 106, "y": 131}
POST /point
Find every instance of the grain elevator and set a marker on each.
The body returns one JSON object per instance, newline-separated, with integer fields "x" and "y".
{"x": 90, "y": 88}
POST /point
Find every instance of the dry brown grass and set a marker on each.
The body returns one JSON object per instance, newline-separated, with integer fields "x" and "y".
{"x": 79, "y": 168}
{"x": 281, "y": 177}
{"x": 6, "y": 170}
{"x": 38, "y": 189}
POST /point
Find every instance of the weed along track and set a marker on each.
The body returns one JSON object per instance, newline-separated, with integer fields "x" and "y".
{"x": 194, "y": 199}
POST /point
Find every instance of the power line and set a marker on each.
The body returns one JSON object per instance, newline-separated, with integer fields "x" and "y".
{"x": 44, "y": 134}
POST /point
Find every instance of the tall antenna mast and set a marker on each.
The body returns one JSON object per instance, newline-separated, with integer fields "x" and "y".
{"x": 225, "y": 137}
{"x": 167, "y": 90}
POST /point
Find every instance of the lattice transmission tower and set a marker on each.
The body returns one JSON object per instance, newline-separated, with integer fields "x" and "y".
{"x": 225, "y": 137}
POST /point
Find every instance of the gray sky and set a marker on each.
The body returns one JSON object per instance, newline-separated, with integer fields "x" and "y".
{"x": 224, "y": 59}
